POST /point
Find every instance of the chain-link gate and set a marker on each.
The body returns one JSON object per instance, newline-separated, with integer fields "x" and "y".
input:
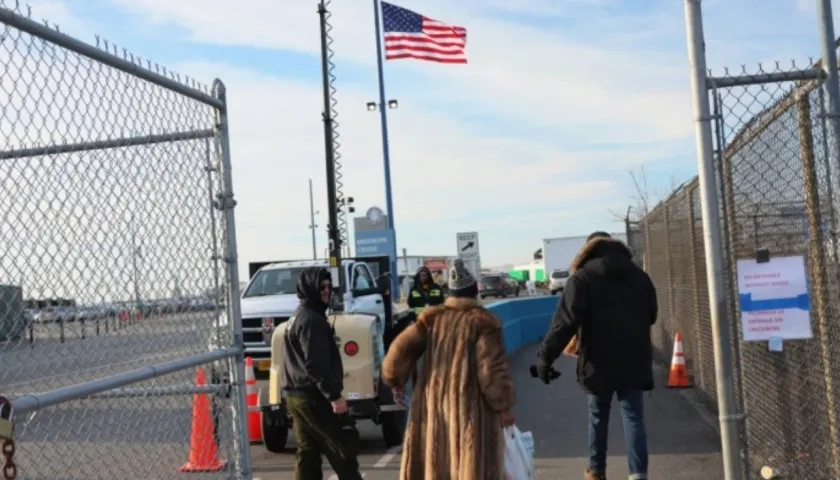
{"x": 119, "y": 272}
{"x": 776, "y": 174}
{"x": 778, "y": 185}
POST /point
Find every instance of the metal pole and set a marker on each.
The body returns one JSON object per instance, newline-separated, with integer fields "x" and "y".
{"x": 829, "y": 66}
{"x": 214, "y": 247}
{"x": 50, "y": 35}
{"x": 332, "y": 197}
{"x": 386, "y": 151}
{"x": 226, "y": 203}
{"x": 312, "y": 221}
{"x": 729, "y": 419}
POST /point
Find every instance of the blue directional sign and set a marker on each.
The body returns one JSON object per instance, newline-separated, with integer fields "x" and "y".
{"x": 802, "y": 302}
{"x": 374, "y": 243}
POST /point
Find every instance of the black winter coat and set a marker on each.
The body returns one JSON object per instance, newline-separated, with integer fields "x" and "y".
{"x": 312, "y": 361}
{"x": 610, "y": 303}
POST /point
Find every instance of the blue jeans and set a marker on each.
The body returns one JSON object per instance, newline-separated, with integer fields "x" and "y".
{"x": 633, "y": 418}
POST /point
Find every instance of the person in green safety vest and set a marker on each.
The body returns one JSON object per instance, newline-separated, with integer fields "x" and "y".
{"x": 425, "y": 292}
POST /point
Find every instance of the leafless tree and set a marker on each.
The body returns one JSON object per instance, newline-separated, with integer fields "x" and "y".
{"x": 644, "y": 198}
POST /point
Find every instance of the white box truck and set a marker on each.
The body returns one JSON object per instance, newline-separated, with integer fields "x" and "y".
{"x": 558, "y": 254}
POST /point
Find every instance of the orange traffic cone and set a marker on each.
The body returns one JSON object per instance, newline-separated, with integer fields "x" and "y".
{"x": 254, "y": 420}
{"x": 678, "y": 378}
{"x": 204, "y": 456}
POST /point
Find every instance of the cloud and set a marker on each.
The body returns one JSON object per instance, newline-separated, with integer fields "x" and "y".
{"x": 514, "y": 129}
{"x": 533, "y": 136}
{"x": 537, "y": 75}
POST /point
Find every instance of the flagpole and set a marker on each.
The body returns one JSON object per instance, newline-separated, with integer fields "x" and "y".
{"x": 386, "y": 153}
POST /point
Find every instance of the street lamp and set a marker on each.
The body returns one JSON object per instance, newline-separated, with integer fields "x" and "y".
{"x": 392, "y": 104}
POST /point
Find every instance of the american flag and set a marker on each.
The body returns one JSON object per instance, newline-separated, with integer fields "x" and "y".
{"x": 411, "y": 35}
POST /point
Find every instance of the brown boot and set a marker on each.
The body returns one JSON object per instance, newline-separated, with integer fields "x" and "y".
{"x": 590, "y": 475}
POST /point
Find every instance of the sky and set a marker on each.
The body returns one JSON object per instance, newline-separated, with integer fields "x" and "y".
{"x": 533, "y": 138}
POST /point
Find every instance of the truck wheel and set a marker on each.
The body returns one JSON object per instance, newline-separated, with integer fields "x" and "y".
{"x": 275, "y": 427}
{"x": 393, "y": 427}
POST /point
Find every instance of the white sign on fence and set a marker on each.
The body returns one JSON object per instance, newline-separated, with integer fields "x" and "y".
{"x": 773, "y": 297}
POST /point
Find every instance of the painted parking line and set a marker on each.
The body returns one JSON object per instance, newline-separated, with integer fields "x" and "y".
{"x": 386, "y": 459}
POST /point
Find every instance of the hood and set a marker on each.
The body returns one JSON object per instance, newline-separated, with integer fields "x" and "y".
{"x": 308, "y": 283}
{"x": 420, "y": 270}
{"x": 271, "y": 305}
{"x": 607, "y": 256}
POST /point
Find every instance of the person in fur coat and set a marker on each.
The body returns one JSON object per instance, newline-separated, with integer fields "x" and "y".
{"x": 464, "y": 392}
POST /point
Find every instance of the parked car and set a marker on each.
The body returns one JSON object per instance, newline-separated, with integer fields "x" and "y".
{"x": 558, "y": 281}
{"x": 498, "y": 285}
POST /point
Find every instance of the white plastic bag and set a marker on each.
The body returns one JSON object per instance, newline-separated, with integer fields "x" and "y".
{"x": 519, "y": 458}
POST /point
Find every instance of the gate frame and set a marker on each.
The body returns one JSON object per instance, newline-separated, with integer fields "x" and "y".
{"x": 701, "y": 85}
{"x": 111, "y": 386}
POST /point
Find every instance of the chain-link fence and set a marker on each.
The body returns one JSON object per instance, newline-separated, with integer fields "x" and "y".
{"x": 119, "y": 250}
{"x": 776, "y": 175}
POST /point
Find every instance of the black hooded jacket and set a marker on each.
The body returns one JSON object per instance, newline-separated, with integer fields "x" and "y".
{"x": 418, "y": 297}
{"x": 311, "y": 360}
{"x": 610, "y": 303}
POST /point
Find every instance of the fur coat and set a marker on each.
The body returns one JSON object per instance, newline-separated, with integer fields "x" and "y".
{"x": 454, "y": 431}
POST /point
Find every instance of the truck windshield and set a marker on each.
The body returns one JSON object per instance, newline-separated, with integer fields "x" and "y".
{"x": 559, "y": 274}
{"x": 274, "y": 282}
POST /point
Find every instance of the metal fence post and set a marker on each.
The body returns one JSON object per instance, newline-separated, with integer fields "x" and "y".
{"x": 669, "y": 261}
{"x": 729, "y": 419}
{"x": 816, "y": 267}
{"x": 646, "y": 232}
{"x": 826, "y": 161}
{"x": 695, "y": 282}
{"x": 227, "y": 204}
{"x": 832, "y": 87}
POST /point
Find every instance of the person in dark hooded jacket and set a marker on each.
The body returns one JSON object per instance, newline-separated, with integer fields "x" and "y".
{"x": 425, "y": 292}
{"x": 610, "y": 304}
{"x": 314, "y": 381}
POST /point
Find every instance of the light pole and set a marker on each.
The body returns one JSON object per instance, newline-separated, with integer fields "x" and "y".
{"x": 386, "y": 154}
{"x": 312, "y": 225}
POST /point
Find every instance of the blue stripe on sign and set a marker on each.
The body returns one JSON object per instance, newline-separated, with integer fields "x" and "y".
{"x": 801, "y": 302}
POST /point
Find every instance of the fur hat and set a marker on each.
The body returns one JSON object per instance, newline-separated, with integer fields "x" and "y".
{"x": 461, "y": 281}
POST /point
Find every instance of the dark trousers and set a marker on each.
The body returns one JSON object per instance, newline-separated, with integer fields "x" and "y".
{"x": 633, "y": 417}
{"x": 318, "y": 431}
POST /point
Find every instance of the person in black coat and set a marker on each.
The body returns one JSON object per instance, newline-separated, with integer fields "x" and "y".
{"x": 610, "y": 304}
{"x": 425, "y": 292}
{"x": 314, "y": 381}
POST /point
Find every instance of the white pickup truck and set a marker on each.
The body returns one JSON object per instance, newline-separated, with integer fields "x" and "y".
{"x": 271, "y": 295}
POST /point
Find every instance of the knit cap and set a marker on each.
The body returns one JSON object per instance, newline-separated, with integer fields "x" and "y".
{"x": 461, "y": 281}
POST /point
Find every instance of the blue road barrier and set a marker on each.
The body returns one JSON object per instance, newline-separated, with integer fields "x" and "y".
{"x": 525, "y": 320}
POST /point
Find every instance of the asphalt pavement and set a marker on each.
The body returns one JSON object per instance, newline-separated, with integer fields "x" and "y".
{"x": 683, "y": 446}
{"x": 110, "y": 438}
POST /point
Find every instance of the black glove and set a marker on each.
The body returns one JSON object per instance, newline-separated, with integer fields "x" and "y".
{"x": 546, "y": 372}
